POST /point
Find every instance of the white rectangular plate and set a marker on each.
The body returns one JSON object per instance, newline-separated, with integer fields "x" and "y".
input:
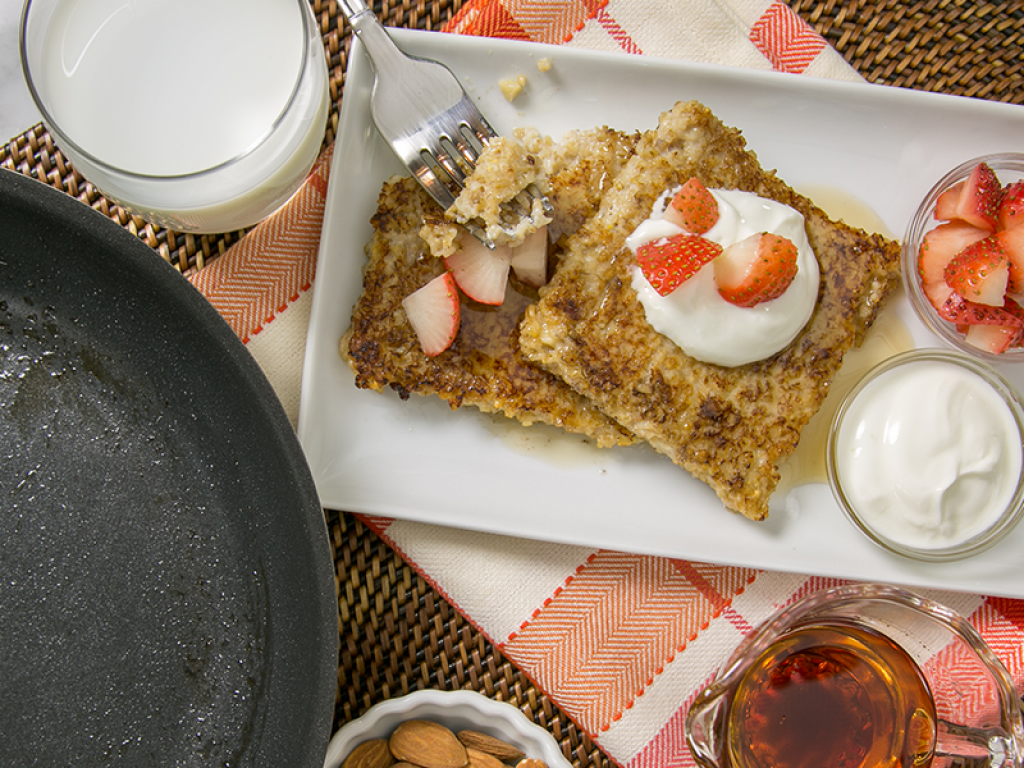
{"x": 418, "y": 460}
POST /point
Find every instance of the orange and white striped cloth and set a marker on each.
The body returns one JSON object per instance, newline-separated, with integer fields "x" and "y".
{"x": 621, "y": 642}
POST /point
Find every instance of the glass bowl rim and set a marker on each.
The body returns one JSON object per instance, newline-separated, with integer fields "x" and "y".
{"x": 981, "y": 541}
{"x": 914, "y": 234}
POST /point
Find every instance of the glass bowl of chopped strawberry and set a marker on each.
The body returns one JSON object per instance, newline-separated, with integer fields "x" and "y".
{"x": 963, "y": 258}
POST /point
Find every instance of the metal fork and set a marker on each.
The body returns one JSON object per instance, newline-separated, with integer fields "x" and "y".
{"x": 431, "y": 123}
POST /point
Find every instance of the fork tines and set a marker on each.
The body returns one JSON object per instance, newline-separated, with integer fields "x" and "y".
{"x": 448, "y": 155}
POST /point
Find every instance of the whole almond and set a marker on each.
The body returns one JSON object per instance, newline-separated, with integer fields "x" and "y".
{"x": 531, "y": 762}
{"x": 370, "y": 754}
{"x": 478, "y": 759}
{"x": 492, "y": 746}
{"x": 428, "y": 745}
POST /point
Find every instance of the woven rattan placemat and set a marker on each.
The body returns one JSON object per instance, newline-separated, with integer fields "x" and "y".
{"x": 398, "y": 634}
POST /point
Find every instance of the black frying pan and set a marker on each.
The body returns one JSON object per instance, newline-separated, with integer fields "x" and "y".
{"x": 166, "y": 585}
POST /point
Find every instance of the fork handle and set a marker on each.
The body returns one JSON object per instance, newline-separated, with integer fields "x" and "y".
{"x": 371, "y": 32}
{"x": 351, "y": 9}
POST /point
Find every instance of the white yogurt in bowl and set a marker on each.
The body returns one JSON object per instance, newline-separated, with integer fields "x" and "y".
{"x": 925, "y": 455}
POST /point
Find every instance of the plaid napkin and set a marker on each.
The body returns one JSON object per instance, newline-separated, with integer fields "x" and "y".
{"x": 621, "y": 642}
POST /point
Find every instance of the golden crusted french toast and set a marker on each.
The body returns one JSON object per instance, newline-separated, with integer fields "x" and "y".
{"x": 729, "y": 427}
{"x": 482, "y": 367}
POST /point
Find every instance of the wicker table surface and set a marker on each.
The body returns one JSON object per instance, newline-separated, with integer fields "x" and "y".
{"x": 397, "y": 634}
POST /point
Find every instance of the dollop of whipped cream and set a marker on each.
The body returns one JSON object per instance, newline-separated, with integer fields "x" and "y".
{"x": 697, "y": 318}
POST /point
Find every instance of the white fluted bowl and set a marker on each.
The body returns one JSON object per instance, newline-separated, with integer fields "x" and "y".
{"x": 458, "y": 710}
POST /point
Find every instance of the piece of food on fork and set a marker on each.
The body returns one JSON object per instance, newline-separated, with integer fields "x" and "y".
{"x": 433, "y": 126}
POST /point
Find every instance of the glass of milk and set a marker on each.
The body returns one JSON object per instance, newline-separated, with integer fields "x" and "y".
{"x": 198, "y": 115}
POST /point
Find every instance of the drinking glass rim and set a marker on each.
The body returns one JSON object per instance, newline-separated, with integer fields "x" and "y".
{"x": 305, "y": 13}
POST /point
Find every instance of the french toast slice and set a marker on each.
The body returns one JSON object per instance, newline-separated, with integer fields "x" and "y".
{"x": 483, "y": 367}
{"x": 729, "y": 427}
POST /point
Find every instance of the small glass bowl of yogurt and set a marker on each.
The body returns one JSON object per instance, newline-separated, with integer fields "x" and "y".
{"x": 926, "y": 455}
{"x": 1009, "y": 168}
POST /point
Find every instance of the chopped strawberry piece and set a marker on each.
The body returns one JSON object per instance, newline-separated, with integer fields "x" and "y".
{"x": 1012, "y": 241}
{"x": 941, "y": 244}
{"x": 481, "y": 273}
{"x": 938, "y": 293}
{"x": 530, "y": 259}
{"x": 1011, "y": 209}
{"x": 993, "y": 338}
{"x": 433, "y": 310}
{"x": 669, "y": 262}
{"x": 945, "y": 205}
{"x": 758, "y": 268}
{"x": 956, "y": 309}
{"x": 693, "y": 208}
{"x": 979, "y": 202}
{"x": 980, "y": 272}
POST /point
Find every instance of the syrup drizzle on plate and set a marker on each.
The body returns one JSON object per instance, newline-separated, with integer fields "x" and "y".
{"x": 887, "y": 337}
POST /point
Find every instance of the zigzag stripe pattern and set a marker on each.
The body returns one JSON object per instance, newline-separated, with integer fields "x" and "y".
{"x": 786, "y": 40}
{"x": 616, "y": 32}
{"x": 264, "y": 272}
{"x": 970, "y": 698}
{"x": 1011, "y": 610}
{"x": 669, "y": 749}
{"x": 542, "y": 21}
{"x": 376, "y": 523}
{"x": 548, "y": 21}
{"x": 1001, "y": 623}
{"x": 602, "y": 640}
{"x": 489, "y": 19}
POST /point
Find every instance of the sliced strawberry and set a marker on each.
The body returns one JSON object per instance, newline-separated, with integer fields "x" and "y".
{"x": 1012, "y": 241}
{"x": 693, "y": 208}
{"x": 938, "y": 294}
{"x": 945, "y": 205}
{"x": 530, "y": 259}
{"x": 1011, "y": 208}
{"x": 758, "y": 268}
{"x": 980, "y": 272}
{"x": 993, "y": 338}
{"x": 956, "y": 309}
{"x": 481, "y": 273}
{"x": 979, "y": 202}
{"x": 941, "y": 244}
{"x": 669, "y": 262}
{"x": 434, "y": 313}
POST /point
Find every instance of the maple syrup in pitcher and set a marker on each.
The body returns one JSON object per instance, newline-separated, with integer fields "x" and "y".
{"x": 832, "y": 696}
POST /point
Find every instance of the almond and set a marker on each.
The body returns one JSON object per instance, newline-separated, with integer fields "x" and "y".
{"x": 531, "y": 762}
{"x": 428, "y": 745}
{"x": 370, "y": 754}
{"x": 491, "y": 745}
{"x": 478, "y": 759}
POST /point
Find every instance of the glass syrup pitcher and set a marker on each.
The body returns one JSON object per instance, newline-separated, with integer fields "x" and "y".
{"x": 860, "y": 676}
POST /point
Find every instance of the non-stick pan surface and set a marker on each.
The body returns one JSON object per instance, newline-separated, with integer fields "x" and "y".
{"x": 166, "y": 585}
